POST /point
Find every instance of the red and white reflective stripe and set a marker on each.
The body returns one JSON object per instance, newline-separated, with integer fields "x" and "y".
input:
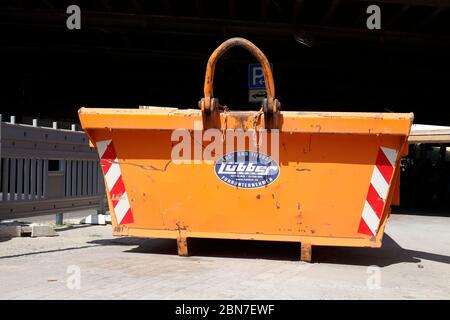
{"x": 378, "y": 191}
{"x": 114, "y": 181}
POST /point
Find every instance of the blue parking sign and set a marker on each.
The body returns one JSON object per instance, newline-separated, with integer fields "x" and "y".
{"x": 256, "y": 76}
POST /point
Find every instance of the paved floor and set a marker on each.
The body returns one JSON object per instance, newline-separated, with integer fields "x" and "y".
{"x": 86, "y": 262}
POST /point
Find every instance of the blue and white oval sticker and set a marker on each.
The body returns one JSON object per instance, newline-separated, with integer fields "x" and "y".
{"x": 247, "y": 169}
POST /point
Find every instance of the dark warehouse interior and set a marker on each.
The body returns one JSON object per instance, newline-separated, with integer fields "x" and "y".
{"x": 131, "y": 53}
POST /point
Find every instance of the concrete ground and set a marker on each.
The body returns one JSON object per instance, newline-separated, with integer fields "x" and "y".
{"x": 86, "y": 262}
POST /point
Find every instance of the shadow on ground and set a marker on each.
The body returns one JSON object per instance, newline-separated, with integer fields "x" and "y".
{"x": 70, "y": 227}
{"x": 2, "y": 239}
{"x": 390, "y": 253}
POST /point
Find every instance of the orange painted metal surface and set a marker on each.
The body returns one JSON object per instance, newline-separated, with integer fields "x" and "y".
{"x": 326, "y": 162}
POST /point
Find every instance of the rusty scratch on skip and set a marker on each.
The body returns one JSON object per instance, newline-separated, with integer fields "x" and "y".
{"x": 181, "y": 227}
{"x": 149, "y": 167}
{"x": 309, "y": 145}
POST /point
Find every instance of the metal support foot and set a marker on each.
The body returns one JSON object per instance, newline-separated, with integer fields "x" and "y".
{"x": 305, "y": 252}
{"x": 182, "y": 247}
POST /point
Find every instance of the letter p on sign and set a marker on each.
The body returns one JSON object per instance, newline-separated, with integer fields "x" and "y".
{"x": 256, "y": 76}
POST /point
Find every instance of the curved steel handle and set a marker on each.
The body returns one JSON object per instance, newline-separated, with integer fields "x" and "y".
{"x": 209, "y": 105}
{"x": 259, "y": 55}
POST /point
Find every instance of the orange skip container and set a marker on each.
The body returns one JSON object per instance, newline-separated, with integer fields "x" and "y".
{"x": 324, "y": 178}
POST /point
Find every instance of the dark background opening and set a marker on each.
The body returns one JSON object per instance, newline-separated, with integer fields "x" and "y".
{"x": 135, "y": 52}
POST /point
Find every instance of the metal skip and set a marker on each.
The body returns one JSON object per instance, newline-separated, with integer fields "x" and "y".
{"x": 317, "y": 178}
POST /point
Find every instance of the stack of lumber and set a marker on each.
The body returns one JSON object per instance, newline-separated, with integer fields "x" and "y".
{"x": 423, "y": 133}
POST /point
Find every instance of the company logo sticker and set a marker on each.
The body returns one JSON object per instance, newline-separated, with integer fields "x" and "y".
{"x": 247, "y": 169}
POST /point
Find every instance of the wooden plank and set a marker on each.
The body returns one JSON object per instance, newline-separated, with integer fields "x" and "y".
{"x": 440, "y": 138}
{"x": 422, "y": 133}
{"x": 424, "y": 129}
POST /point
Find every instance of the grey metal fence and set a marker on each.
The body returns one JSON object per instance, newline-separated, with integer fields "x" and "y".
{"x": 47, "y": 170}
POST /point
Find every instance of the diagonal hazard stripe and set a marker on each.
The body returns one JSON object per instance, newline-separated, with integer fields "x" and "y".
{"x": 127, "y": 218}
{"x": 384, "y": 166}
{"x": 375, "y": 201}
{"x": 391, "y": 155}
{"x": 117, "y": 191}
{"x": 114, "y": 182}
{"x": 112, "y": 175}
{"x": 101, "y": 147}
{"x": 106, "y": 164}
{"x": 122, "y": 207}
{"x": 380, "y": 181}
{"x": 370, "y": 218}
{"x": 364, "y": 229}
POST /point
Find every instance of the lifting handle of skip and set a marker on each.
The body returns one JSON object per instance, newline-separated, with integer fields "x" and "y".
{"x": 209, "y": 104}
